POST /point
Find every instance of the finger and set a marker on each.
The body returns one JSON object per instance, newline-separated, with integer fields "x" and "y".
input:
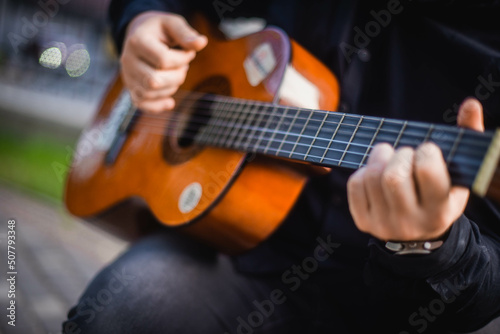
{"x": 379, "y": 157}
{"x": 458, "y": 200}
{"x": 156, "y": 94}
{"x": 470, "y": 114}
{"x": 433, "y": 179}
{"x": 359, "y": 205}
{"x": 161, "y": 57}
{"x": 166, "y": 83}
{"x": 180, "y": 33}
{"x": 358, "y": 202}
{"x": 169, "y": 78}
{"x": 398, "y": 183}
{"x": 380, "y": 153}
{"x": 136, "y": 74}
{"x": 146, "y": 78}
{"x": 157, "y": 106}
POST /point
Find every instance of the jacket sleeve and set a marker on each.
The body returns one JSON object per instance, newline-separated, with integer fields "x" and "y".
{"x": 121, "y": 12}
{"x": 461, "y": 3}
{"x": 464, "y": 274}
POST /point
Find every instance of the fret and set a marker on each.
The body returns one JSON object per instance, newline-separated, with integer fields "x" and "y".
{"x": 240, "y": 120}
{"x": 247, "y": 125}
{"x": 251, "y": 136}
{"x": 336, "y": 153}
{"x": 316, "y": 135}
{"x": 370, "y": 145}
{"x": 305, "y": 130}
{"x": 300, "y": 135}
{"x": 324, "y": 126}
{"x": 429, "y": 133}
{"x": 235, "y": 114}
{"x": 200, "y": 136}
{"x": 267, "y": 128}
{"x": 455, "y": 146}
{"x": 331, "y": 139}
{"x": 288, "y": 132}
{"x": 467, "y": 158}
{"x": 413, "y": 135}
{"x": 350, "y": 140}
{"x": 400, "y": 134}
{"x": 444, "y": 137}
{"x": 210, "y": 126}
{"x": 390, "y": 132}
{"x": 297, "y": 143}
{"x": 221, "y": 125}
{"x": 277, "y": 129}
{"x": 356, "y": 150}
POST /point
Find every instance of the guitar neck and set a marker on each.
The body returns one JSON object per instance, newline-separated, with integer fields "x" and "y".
{"x": 333, "y": 138}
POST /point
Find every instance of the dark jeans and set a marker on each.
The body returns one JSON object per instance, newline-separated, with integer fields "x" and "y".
{"x": 170, "y": 284}
{"x": 167, "y": 283}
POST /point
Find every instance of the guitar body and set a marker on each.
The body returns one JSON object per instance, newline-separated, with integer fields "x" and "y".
{"x": 229, "y": 199}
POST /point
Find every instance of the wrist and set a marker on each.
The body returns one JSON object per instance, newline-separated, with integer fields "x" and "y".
{"x": 424, "y": 266}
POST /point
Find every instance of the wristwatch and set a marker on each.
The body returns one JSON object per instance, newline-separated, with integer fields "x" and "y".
{"x": 413, "y": 247}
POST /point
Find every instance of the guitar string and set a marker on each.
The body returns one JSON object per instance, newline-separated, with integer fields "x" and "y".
{"x": 222, "y": 127}
{"x": 464, "y": 161}
{"x": 357, "y": 164}
{"x": 465, "y": 171}
{"x": 441, "y": 128}
{"x": 379, "y": 138}
{"x": 423, "y": 125}
{"x": 220, "y": 99}
{"x": 230, "y": 99}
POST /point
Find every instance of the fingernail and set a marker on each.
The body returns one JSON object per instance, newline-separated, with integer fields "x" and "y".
{"x": 192, "y": 38}
{"x": 467, "y": 100}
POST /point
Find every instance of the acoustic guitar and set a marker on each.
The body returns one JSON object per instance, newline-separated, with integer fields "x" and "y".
{"x": 251, "y": 118}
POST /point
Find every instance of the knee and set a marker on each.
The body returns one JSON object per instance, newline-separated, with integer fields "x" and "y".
{"x": 100, "y": 308}
{"x": 140, "y": 285}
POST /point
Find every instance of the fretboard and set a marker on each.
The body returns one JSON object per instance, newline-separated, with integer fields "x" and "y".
{"x": 334, "y": 138}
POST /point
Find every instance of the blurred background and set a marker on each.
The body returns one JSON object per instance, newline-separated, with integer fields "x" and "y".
{"x": 56, "y": 60}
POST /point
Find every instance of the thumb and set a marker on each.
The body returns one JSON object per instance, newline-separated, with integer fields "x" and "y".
{"x": 470, "y": 114}
{"x": 180, "y": 33}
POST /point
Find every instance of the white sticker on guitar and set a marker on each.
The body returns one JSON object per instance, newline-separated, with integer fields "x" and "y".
{"x": 260, "y": 63}
{"x": 190, "y": 197}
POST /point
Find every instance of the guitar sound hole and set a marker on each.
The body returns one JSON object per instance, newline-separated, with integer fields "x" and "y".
{"x": 193, "y": 114}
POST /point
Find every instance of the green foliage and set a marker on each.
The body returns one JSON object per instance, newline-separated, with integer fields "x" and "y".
{"x": 38, "y": 162}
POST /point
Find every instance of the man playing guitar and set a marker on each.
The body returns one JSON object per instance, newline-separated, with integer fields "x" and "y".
{"x": 335, "y": 264}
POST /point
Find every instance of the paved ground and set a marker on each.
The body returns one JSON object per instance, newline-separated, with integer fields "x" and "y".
{"x": 56, "y": 256}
